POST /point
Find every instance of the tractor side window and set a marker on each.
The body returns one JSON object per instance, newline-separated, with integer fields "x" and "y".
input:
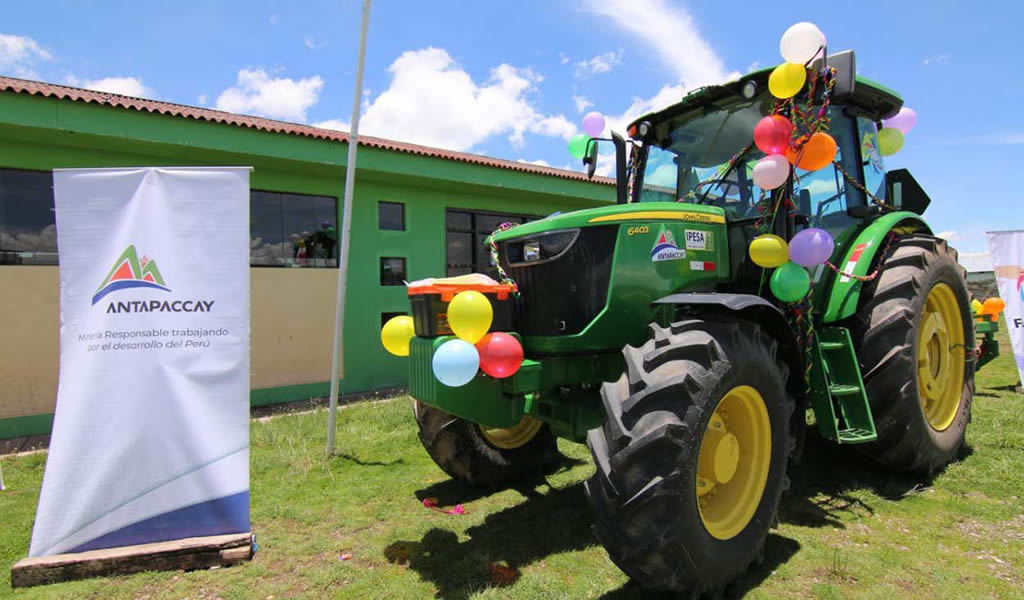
{"x": 825, "y": 195}
{"x": 871, "y": 158}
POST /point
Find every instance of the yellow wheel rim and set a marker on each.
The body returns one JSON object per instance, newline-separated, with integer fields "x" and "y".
{"x": 732, "y": 468}
{"x": 940, "y": 357}
{"x": 513, "y": 437}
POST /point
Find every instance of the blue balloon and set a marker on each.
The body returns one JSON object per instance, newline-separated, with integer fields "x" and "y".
{"x": 456, "y": 362}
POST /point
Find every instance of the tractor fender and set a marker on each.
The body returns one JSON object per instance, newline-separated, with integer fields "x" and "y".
{"x": 841, "y": 293}
{"x": 750, "y": 307}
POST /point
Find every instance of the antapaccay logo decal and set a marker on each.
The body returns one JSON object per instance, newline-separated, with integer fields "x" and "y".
{"x": 665, "y": 247}
{"x": 130, "y": 272}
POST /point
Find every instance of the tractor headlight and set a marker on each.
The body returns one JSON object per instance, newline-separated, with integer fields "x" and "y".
{"x": 541, "y": 247}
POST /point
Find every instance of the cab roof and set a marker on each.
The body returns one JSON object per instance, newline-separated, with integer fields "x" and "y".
{"x": 870, "y": 98}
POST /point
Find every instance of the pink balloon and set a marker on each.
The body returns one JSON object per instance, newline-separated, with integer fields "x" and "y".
{"x": 903, "y": 120}
{"x": 593, "y": 124}
{"x": 771, "y": 171}
{"x": 772, "y": 134}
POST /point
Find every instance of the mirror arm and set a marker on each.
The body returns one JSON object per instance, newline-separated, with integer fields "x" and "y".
{"x": 620, "y": 168}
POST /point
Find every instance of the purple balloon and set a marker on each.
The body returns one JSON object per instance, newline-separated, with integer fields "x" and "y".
{"x": 903, "y": 120}
{"x": 593, "y": 124}
{"x": 811, "y": 247}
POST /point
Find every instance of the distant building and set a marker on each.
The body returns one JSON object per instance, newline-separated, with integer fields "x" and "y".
{"x": 418, "y": 212}
{"x": 981, "y": 279}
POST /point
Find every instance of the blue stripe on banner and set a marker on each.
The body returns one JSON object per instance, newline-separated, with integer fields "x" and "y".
{"x": 229, "y": 514}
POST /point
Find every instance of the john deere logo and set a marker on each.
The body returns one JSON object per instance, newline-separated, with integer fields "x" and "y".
{"x": 665, "y": 247}
{"x": 130, "y": 272}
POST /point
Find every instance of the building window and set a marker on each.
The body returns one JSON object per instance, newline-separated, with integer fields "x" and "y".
{"x": 466, "y": 231}
{"x": 28, "y": 230}
{"x": 385, "y": 317}
{"x": 391, "y": 216}
{"x": 392, "y": 271}
{"x": 292, "y": 230}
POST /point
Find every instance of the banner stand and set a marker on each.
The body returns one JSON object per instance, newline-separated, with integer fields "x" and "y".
{"x": 148, "y": 464}
{"x": 187, "y": 554}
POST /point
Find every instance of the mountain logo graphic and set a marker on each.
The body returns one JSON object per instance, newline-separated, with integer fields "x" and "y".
{"x": 665, "y": 247}
{"x": 130, "y": 272}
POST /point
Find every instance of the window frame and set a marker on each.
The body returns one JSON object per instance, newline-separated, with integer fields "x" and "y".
{"x": 281, "y": 203}
{"x": 380, "y": 205}
{"x": 17, "y": 256}
{"x": 474, "y": 232}
{"x": 405, "y": 270}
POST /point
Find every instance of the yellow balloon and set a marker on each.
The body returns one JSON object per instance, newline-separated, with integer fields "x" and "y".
{"x": 769, "y": 251}
{"x": 396, "y": 335}
{"x": 470, "y": 315}
{"x": 890, "y": 141}
{"x": 786, "y": 80}
{"x": 975, "y": 306}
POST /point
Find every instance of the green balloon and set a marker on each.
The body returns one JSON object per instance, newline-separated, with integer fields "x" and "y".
{"x": 578, "y": 145}
{"x": 790, "y": 282}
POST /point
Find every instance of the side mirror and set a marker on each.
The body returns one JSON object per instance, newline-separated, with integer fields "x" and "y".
{"x": 590, "y": 157}
{"x": 904, "y": 193}
{"x": 845, "y": 64}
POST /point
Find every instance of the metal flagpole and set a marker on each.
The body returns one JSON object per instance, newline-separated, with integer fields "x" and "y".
{"x": 337, "y": 356}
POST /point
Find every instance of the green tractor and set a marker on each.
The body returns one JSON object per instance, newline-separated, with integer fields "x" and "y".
{"x": 650, "y": 334}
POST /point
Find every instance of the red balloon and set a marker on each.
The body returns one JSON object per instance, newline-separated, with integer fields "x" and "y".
{"x": 772, "y": 134}
{"x": 500, "y": 354}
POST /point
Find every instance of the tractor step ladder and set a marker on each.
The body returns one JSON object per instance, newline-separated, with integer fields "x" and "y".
{"x": 837, "y": 390}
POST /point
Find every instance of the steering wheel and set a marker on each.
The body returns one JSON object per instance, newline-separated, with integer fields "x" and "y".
{"x": 819, "y": 214}
{"x": 748, "y": 208}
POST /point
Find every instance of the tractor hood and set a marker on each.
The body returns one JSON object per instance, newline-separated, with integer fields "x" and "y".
{"x": 608, "y": 215}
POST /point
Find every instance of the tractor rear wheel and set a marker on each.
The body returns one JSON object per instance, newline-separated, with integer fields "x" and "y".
{"x": 485, "y": 457}
{"x": 692, "y": 458}
{"x": 914, "y": 336}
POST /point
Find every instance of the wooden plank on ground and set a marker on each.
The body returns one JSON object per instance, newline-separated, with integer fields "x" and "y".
{"x": 185, "y": 554}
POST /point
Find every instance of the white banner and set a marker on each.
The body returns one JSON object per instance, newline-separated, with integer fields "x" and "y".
{"x": 151, "y": 434}
{"x": 1007, "y": 248}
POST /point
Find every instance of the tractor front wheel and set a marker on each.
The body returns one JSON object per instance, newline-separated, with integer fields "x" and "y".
{"x": 485, "y": 457}
{"x": 691, "y": 460}
{"x": 915, "y": 339}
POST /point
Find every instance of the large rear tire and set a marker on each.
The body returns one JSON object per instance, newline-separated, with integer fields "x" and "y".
{"x": 914, "y": 339}
{"x": 691, "y": 460}
{"x": 482, "y": 457}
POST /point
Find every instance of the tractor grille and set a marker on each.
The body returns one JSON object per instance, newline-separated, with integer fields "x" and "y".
{"x": 562, "y": 296}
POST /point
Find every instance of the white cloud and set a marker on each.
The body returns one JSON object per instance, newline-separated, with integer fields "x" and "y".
{"x": 336, "y": 124}
{"x": 563, "y": 58}
{"x": 313, "y": 44}
{"x": 581, "y": 102}
{"x": 126, "y": 86}
{"x": 667, "y": 95}
{"x": 19, "y": 53}
{"x": 257, "y": 93}
{"x": 602, "y": 63}
{"x": 949, "y": 236}
{"x": 432, "y": 101}
{"x": 939, "y": 59}
{"x": 539, "y": 163}
{"x": 671, "y": 33}
{"x": 201, "y": 99}
{"x": 753, "y": 66}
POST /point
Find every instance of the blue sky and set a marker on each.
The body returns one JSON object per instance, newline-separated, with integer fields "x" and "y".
{"x": 513, "y": 79}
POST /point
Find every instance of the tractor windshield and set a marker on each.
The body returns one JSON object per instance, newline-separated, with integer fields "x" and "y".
{"x": 692, "y": 151}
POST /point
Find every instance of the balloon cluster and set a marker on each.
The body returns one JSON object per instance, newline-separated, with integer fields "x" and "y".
{"x": 593, "y": 125}
{"x": 890, "y": 136}
{"x": 457, "y": 361}
{"x": 790, "y": 281}
{"x": 992, "y": 306}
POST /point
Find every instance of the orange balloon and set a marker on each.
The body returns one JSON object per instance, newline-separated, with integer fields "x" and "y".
{"x": 817, "y": 152}
{"x": 993, "y": 306}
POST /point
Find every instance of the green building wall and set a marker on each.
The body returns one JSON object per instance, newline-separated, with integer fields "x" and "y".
{"x": 292, "y": 308}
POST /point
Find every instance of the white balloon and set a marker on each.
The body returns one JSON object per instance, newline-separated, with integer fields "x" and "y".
{"x": 801, "y": 43}
{"x": 771, "y": 171}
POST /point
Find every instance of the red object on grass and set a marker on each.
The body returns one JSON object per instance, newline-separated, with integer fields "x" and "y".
{"x": 501, "y": 355}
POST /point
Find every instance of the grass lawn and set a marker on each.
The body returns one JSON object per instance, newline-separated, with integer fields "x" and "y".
{"x": 848, "y": 530}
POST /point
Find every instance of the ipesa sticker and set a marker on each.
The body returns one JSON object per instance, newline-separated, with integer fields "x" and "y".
{"x": 697, "y": 239}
